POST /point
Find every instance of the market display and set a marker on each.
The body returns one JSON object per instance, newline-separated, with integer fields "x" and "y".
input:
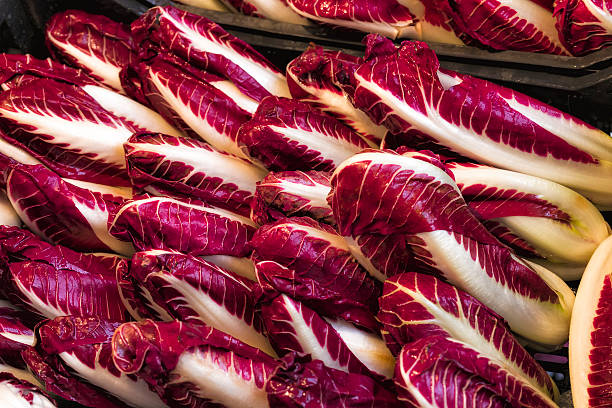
{"x": 185, "y": 226}
{"x": 451, "y": 326}
{"x": 561, "y": 27}
{"x": 518, "y": 25}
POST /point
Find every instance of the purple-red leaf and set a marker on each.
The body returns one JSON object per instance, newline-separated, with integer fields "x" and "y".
{"x": 67, "y": 130}
{"x": 208, "y": 46}
{"x": 545, "y": 219}
{"x": 62, "y": 212}
{"x": 58, "y": 380}
{"x": 381, "y": 192}
{"x": 520, "y": 25}
{"x": 329, "y": 296}
{"x": 83, "y": 346}
{"x": 424, "y": 377}
{"x": 17, "y": 69}
{"x": 56, "y": 281}
{"x": 184, "y": 96}
{"x": 292, "y": 194}
{"x": 169, "y": 166}
{"x": 16, "y": 333}
{"x": 286, "y": 134}
{"x": 405, "y": 90}
{"x": 186, "y": 226}
{"x": 415, "y": 306}
{"x": 387, "y": 17}
{"x": 312, "y": 78}
{"x": 584, "y": 25}
{"x": 193, "y": 290}
{"x": 99, "y": 45}
{"x": 294, "y": 327}
{"x": 316, "y": 255}
{"x": 193, "y": 365}
{"x": 303, "y": 382}
{"x": 382, "y": 255}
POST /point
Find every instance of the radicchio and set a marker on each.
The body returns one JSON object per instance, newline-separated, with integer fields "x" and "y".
{"x": 340, "y": 298}
{"x": 536, "y": 217}
{"x": 18, "y": 393}
{"x": 185, "y": 96}
{"x": 95, "y": 43}
{"x": 418, "y": 306}
{"x": 70, "y": 130}
{"x": 589, "y": 340}
{"x": 387, "y": 17}
{"x": 16, "y": 334}
{"x": 82, "y": 348}
{"x": 63, "y": 212}
{"x": 296, "y": 193}
{"x": 17, "y": 69}
{"x": 186, "y": 226}
{"x": 56, "y": 378}
{"x": 193, "y": 290}
{"x": 292, "y": 193}
{"x": 431, "y": 23}
{"x": 383, "y": 193}
{"x": 294, "y": 327}
{"x": 382, "y": 255}
{"x": 405, "y": 90}
{"x": 584, "y": 25}
{"x": 170, "y": 166}
{"x": 312, "y": 78}
{"x": 303, "y": 382}
{"x": 67, "y": 130}
{"x": 206, "y": 45}
{"x": 286, "y": 134}
{"x": 55, "y": 280}
{"x": 519, "y": 25}
{"x": 193, "y": 365}
{"x": 426, "y": 378}
{"x": 277, "y": 10}
{"x": 318, "y": 257}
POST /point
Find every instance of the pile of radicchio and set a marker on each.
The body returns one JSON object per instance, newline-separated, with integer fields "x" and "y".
{"x": 185, "y": 226}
